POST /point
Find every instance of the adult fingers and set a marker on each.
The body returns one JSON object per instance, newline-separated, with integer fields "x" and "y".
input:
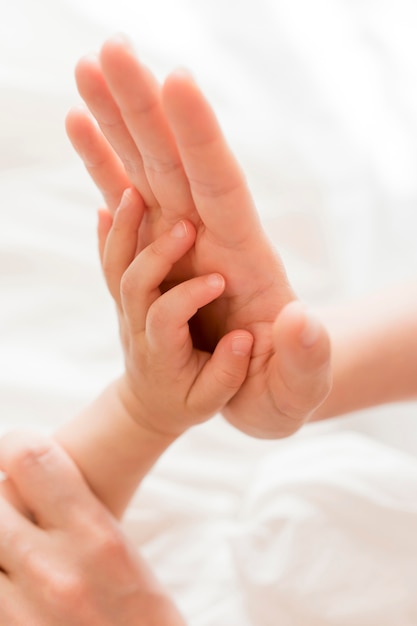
{"x": 140, "y": 283}
{"x": 46, "y": 478}
{"x": 99, "y": 158}
{"x": 138, "y": 97}
{"x": 95, "y": 92}
{"x": 301, "y": 372}
{"x": 8, "y": 492}
{"x": 17, "y": 536}
{"x": 218, "y": 186}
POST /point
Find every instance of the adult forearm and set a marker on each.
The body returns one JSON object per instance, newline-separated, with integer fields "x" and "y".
{"x": 374, "y": 344}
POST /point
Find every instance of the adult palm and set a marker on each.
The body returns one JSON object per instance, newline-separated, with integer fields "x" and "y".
{"x": 166, "y": 142}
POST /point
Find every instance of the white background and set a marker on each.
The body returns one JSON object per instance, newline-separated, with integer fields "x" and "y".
{"x": 319, "y": 101}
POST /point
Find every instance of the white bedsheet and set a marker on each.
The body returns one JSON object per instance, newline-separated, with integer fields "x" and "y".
{"x": 319, "y": 100}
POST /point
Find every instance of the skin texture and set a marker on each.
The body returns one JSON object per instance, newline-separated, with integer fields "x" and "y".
{"x": 167, "y": 144}
{"x": 67, "y": 562}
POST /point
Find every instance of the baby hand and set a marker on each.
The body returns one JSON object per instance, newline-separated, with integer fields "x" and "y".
{"x": 168, "y": 384}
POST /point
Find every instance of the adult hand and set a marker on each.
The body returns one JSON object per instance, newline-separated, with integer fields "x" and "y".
{"x": 167, "y": 143}
{"x": 68, "y": 563}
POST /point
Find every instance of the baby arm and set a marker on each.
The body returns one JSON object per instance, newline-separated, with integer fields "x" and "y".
{"x": 168, "y": 385}
{"x": 63, "y": 559}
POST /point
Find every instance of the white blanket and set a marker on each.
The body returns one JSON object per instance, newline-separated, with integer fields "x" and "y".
{"x": 319, "y": 100}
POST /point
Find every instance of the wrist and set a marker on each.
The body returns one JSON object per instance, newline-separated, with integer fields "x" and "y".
{"x": 137, "y": 416}
{"x": 112, "y": 447}
{"x": 146, "y": 419}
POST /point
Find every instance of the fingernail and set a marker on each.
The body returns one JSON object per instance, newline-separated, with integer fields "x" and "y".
{"x": 215, "y": 280}
{"x": 179, "y": 231}
{"x": 242, "y": 345}
{"x": 311, "y": 330}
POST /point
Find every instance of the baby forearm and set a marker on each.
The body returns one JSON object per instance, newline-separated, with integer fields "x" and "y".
{"x": 374, "y": 345}
{"x": 113, "y": 451}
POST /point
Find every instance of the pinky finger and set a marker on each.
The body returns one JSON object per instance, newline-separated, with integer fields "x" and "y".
{"x": 302, "y": 368}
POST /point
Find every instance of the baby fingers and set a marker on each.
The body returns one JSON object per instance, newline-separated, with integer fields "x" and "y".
{"x": 118, "y": 240}
{"x": 140, "y": 284}
{"x": 167, "y": 321}
{"x": 213, "y": 379}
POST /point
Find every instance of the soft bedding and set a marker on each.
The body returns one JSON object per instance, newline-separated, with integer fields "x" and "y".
{"x": 319, "y": 100}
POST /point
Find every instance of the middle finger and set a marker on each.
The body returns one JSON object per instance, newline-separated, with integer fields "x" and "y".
{"x": 138, "y": 96}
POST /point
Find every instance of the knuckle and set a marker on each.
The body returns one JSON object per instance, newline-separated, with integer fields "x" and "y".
{"x": 111, "y": 548}
{"x": 228, "y": 378}
{"x": 104, "y": 534}
{"x": 132, "y": 167}
{"x": 157, "y": 249}
{"x": 225, "y": 188}
{"x": 30, "y": 454}
{"x": 31, "y": 561}
{"x": 141, "y": 109}
{"x": 157, "y": 317}
{"x": 158, "y": 165}
{"x": 66, "y": 590}
{"x": 29, "y": 558}
{"x": 107, "y": 547}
